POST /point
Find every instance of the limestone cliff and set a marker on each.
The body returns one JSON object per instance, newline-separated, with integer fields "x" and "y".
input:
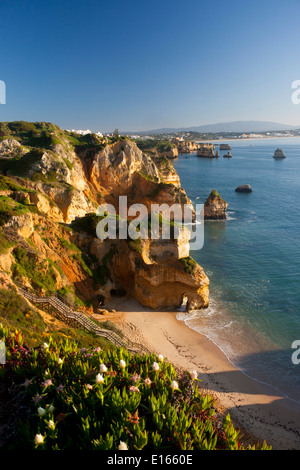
{"x": 52, "y": 182}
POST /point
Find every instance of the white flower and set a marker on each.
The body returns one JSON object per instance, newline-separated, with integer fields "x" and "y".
{"x": 39, "y": 439}
{"x": 194, "y": 375}
{"x": 155, "y": 366}
{"x": 174, "y": 385}
{"x": 122, "y": 446}
{"x": 160, "y": 358}
{"x": 51, "y": 424}
{"x": 60, "y": 361}
{"x": 51, "y": 409}
{"x": 45, "y": 345}
{"x": 103, "y": 368}
{"x": 99, "y": 379}
{"x": 122, "y": 364}
{"x": 41, "y": 411}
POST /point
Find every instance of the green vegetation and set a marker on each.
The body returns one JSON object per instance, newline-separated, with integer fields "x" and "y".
{"x": 17, "y": 314}
{"x": 135, "y": 245}
{"x": 9, "y": 208}
{"x": 4, "y": 243}
{"x": 8, "y": 184}
{"x": 152, "y": 145}
{"x": 91, "y": 399}
{"x": 189, "y": 264}
{"x": 214, "y": 193}
{"x": 40, "y": 273}
{"x": 39, "y": 134}
{"x": 87, "y": 224}
{"x": 148, "y": 177}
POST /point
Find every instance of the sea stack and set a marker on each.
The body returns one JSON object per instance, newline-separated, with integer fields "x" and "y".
{"x": 215, "y": 207}
{"x": 243, "y": 188}
{"x": 278, "y": 154}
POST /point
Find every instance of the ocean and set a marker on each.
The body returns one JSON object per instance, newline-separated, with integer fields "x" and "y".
{"x": 252, "y": 258}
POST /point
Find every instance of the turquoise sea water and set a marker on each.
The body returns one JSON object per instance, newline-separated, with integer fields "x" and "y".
{"x": 252, "y": 258}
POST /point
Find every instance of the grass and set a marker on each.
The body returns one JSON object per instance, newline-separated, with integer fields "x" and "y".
{"x": 41, "y": 274}
{"x": 4, "y": 243}
{"x": 9, "y": 208}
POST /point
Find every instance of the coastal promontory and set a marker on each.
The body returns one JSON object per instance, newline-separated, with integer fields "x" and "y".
{"x": 52, "y": 182}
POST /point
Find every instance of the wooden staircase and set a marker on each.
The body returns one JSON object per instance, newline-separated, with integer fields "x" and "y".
{"x": 58, "y": 308}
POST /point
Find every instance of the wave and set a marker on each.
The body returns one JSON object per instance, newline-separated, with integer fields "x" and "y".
{"x": 230, "y": 354}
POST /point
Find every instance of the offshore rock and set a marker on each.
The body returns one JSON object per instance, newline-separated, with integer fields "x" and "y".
{"x": 215, "y": 207}
{"x": 243, "y": 188}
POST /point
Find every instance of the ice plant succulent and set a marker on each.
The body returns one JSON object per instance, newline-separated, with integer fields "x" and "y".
{"x": 99, "y": 379}
{"x": 41, "y": 411}
{"x": 174, "y": 385}
{"x": 122, "y": 446}
{"x": 122, "y": 364}
{"x": 51, "y": 424}
{"x": 193, "y": 375}
{"x": 103, "y": 368}
{"x": 39, "y": 439}
{"x": 155, "y": 366}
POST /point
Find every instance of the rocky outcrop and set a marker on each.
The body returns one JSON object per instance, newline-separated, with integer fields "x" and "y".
{"x": 215, "y": 207}
{"x": 279, "y": 154}
{"x": 172, "y": 153}
{"x": 206, "y": 151}
{"x": 243, "y": 188}
{"x": 10, "y": 148}
{"x": 65, "y": 182}
{"x": 162, "y": 282}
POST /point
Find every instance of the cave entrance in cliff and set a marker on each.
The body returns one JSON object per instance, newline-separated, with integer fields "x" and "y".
{"x": 121, "y": 292}
{"x": 184, "y": 304}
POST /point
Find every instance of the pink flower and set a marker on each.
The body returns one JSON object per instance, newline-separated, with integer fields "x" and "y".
{"x": 47, "y": 383}
{"x": 89, "y": 386}
{"x": 60, "y": 388}
{"x": 37, "y": 398}
{"x": 98, "y": 349}
{"x": 135, "y": 378}
{"x": 147, "y": 381}
{"x": 26, "y": 383}
{"x": 133, "y": 388}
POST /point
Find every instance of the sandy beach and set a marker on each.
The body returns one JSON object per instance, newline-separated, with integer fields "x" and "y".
{"x": 256, "y": 409}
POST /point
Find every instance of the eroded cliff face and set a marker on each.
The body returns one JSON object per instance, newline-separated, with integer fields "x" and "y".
{"x": 46, "y": 190}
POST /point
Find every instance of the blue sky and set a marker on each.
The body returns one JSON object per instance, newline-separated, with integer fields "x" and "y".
{"x": 139, "y": 65}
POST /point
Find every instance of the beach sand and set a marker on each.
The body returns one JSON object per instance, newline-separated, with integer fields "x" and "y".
{"x": 256, "y": 409}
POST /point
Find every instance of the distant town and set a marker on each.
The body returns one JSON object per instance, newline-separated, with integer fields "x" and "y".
{"x": 192, "y": 136}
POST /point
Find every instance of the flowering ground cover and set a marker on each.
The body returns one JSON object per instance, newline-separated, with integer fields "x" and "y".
{"x": 108, "y": 400}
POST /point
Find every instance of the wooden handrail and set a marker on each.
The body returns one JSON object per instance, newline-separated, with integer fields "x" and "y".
{"x": 82, "y": 319}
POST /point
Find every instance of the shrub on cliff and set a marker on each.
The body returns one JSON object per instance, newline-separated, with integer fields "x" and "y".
{"x": 94, "y": 399}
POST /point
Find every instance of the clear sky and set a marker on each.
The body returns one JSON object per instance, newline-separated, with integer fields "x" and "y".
{"x": 140, "y": 65}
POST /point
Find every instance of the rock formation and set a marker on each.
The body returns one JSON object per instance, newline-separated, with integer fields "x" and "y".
{"x": 279, "y": 154}
{"x": 215, "y": 207}
{"x": 48, "y": 202}
{"x": 243, "y": 188}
